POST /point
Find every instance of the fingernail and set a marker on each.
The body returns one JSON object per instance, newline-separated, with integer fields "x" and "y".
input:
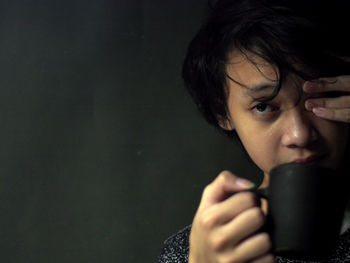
{"x": 309, "y": 105}
{"x": 244, "y": 183}
{"x": 321, "y": 112}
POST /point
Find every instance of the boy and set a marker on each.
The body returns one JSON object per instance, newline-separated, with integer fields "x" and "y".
{"x": 273, "y": 74}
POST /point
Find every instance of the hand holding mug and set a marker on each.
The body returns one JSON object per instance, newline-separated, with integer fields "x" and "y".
{"x": 227, "y": 229}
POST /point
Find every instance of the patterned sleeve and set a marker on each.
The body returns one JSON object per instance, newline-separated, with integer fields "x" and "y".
{"x": 175, "y": 248}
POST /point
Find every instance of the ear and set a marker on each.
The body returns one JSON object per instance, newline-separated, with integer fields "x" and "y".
{"x": 225, "y": 123}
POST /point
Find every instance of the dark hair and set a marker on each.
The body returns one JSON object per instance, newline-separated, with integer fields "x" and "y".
{"x": 295, "y": 37}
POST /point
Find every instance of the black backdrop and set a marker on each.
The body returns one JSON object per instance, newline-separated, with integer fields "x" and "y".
{"x": 103, "y": 155}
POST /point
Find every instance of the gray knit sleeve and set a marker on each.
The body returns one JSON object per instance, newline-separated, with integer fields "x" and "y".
{"x": 175, "y": 248}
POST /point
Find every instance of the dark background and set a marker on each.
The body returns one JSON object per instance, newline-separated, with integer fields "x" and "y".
{"x": 103, "y": 154}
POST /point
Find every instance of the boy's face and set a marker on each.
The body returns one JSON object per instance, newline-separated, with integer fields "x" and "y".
{"x": 281, "y": 130}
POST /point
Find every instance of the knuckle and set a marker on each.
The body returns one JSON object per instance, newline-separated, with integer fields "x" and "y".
{"x": 343, "y": 115}
{"x": 225, "y": 258}
{"x": 224, "y": 176}
{"x": 208, "y": 221}
{"x": 265, "y": 240}
{"x": 217, "y": 242}
{"x": 341, "y": 102}
{"x": 207, "y": 190}
{"x": 248, "y": 199}
{"x": 347, "y": 116}
{"x": 257, "y": 215}
{"x": 324, "y": 103}
{"x": 341, "y": 80}
{"x": 235, "y": 258}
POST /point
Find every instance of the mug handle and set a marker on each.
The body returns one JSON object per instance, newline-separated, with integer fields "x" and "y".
{"x": 261, "y": 193}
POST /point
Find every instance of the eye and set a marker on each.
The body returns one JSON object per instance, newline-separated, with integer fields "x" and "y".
{"x": 265, "y": 112}
{"x": 263, "y": 108}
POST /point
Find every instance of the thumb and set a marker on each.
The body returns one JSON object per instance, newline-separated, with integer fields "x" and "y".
{"x": 224, "y": 184}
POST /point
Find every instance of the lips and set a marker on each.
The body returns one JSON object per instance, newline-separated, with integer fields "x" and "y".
{"x": 312, "y": 159}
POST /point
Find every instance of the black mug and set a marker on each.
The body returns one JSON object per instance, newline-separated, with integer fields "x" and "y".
{"x": 306, "y": 206}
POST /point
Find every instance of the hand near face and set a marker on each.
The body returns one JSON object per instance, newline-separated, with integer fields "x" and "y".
{"x": 226, "y": 229}
{"x": 335, "y": 109}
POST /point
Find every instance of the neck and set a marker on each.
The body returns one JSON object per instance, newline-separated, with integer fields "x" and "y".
{"x": 265, "y": 182}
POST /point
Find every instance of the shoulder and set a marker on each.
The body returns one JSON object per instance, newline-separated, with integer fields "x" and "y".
{"x": 341, "y": 253}
{"x": 175, "y": 248}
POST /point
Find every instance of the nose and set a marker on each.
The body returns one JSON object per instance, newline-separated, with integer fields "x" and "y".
{"x": 299, "y": 131}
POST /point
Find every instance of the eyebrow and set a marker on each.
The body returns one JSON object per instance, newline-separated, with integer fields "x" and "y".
{"x": 262, "y": 87}
{"x": 262, "y": 91}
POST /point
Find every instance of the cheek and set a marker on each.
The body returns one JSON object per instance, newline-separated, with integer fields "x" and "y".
{"x": 262, "y": 147}
{"x": 335, "y": 137}
{"x": 337, "y": 134}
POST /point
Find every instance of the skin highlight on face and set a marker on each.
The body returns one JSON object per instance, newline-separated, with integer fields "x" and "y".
{"x": 280, "y": 130}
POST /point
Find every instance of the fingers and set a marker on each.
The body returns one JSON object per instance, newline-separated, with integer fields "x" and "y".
{"x": 225, "y": 211}
{"x": 226, "y": 229}
{"x": 341, "y": 115}
{"x": 226, "y": 183}
{"x": 244, "y": 225}
{"x": 254, "y": 249}
{"x": 340, "y": 83}
{"x": 334, "y": 109}
{"x": 334, "y": 103}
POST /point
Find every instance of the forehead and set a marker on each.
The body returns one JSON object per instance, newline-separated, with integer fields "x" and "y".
{"x": 250, "y": 70}
{"x": 252, "y": 77}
